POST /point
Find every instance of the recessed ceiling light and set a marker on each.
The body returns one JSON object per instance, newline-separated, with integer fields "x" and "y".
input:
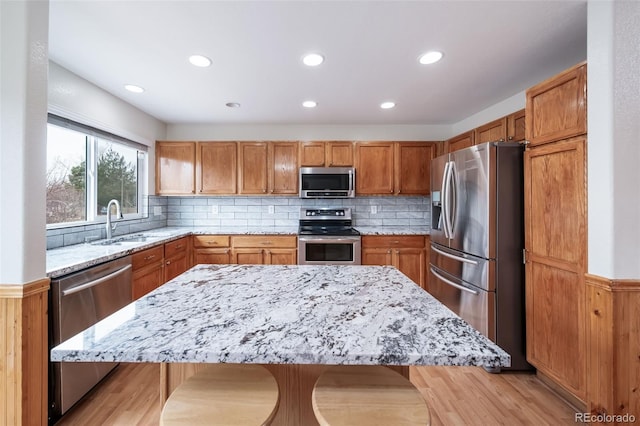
{"x": 387, "y": 105}
{"x": 309, "y": 104}
{"x": 133, "y": 88}
{"x": 200, "y": 61}
{"x": 233, "y": 104}
{"x": 313, "y": 59}
{"x": 430, "y": 57}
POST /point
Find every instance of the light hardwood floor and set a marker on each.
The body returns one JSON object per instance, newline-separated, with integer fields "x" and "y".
{"x": 456, "y": 395}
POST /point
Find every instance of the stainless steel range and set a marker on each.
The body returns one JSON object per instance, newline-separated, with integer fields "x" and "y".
{"x": 326, "y": 237}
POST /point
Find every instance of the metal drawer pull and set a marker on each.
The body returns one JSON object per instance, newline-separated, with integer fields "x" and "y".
{"x": 451, "y": 283}
{"x": 453, "y": 256}
{"x": 150, "y": 257}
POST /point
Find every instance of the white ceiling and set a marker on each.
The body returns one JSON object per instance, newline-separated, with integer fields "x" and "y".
{"x": 493, "y": 50}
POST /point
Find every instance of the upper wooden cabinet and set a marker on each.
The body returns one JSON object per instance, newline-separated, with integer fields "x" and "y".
{"x": 516, "y": 126}
{"x": 282, "y": 168}
{"x": 326, "y": 154}
{"x": 267, "y": 168}
{"x": 175, "y": 168}
{"x": 491, "y": 132}
{"x": 556, "y": 108}
{"x": 374, "y": 168}
{"x": 216, "y": 167}
{"x": 252, "y": 168}
{"x": 413, "y": 167}
{"x": 400, "y": 168}
{"x": 462, "y": 141}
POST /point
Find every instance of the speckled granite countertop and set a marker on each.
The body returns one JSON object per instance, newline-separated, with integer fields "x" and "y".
{"x": 66, "y": 260}
{"x": 273, "y": 314}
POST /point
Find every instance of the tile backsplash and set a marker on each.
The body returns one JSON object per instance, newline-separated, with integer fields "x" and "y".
{"x": 245, "y": 212}
{"x": 285, "y": 211}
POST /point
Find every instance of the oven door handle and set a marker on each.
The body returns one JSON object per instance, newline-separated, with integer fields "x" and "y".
{"x": 328, "y": 240}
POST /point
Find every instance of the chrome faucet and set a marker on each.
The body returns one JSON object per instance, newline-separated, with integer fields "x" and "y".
{"x": 110, "y": 227}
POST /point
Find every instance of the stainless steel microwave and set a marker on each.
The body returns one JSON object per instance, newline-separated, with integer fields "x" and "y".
{"x": 327, "y": 182}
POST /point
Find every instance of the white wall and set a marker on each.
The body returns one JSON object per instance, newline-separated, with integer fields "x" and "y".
{"x": 75, "y": 98}
{"x": 505, "y": 107}
{"x": 613, "y": 149}
{"x": 23, "y": 94}
{"x": 211, "y": 132}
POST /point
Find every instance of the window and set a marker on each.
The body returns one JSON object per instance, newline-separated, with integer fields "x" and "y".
{"x": 86, "y": 168}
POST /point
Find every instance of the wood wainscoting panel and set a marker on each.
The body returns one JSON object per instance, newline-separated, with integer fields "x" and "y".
{"x": 613, "y": 373}
{"x": 24, "y": 346}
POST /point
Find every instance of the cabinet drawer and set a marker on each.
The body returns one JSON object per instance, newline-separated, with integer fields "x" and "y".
{"x": 392, "y": 241}
{"x": 265, "y": 241}
{"x": 211, "y": 241}
{"x": 175, "y": 247}
{"x": 147, "y": 257}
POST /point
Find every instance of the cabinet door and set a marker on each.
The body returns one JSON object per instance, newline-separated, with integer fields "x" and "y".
{"x": 283, "y": 167}
{"x": 252, "y": 168}
{"x": 146, "y": 280}
{"x": 312, "y": 154}
{"x": 462, "y": 141}
{"x": 412, "y": 169}
{"x": 556, "y": 108}
{"x": 376, "y": 256}
{"x": 175, "y": 265}
{"x": 374, "y": 168}
{"x": 516, "y": 126}
{"x": 216, "y": 256}
{"x": 339, "y": 154}
{"x": 281, "y": 256}
{"x": 555, "y": 243}
{"x": 248, "y": 256}
{"x": 492, "y": 132}
{"x": 217, "y": 167}
{"x": 175, "y": 168}
{"x": 411, "y": 262}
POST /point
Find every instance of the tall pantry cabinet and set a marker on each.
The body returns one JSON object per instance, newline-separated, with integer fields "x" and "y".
{"x": 556, "y": 230}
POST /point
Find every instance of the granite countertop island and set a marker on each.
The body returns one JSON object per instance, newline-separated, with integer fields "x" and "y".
{"x": 298, "y": 314}
{"x": 295, "y": 320}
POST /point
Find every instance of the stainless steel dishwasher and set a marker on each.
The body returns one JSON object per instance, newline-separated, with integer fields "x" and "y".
{"x": 78, "y": 301}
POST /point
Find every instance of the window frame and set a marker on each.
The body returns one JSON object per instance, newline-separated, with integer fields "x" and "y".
{"x": 93, "y": 136}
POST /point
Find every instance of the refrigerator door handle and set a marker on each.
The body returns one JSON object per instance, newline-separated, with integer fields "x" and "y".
{"x": 453, "y": 189}
{"x": 451, "y": 283}
{"x": 445, "y": 200}
{"x": 453, "y": 256}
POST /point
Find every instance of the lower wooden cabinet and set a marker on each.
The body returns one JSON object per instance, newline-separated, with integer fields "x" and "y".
{"x": 176, "y": 258}
{"x": 211, "y": 249}
{"x": 265, "y": 249}
{"x": 246, "y": 249}
{"x": 155, "y": 266}
{"x": 148, "y": 272}
{"x": 405, "y": 252}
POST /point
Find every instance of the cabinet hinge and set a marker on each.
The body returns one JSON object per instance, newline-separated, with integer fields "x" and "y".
{"x": 524, "y": 256}
{"x": 524, "y": 142}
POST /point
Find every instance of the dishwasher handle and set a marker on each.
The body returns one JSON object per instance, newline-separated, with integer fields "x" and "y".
{"x": 96, "y": 282}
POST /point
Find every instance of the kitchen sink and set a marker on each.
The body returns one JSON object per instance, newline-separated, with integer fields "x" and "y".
{"x": 135, "y": 238}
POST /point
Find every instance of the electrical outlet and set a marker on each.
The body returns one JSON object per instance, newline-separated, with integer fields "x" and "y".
{"x": 272, "y": 210}
{"x": 374, "y": 209}
{"x": 157, "y": 210}
{"x": 214, "y": 209}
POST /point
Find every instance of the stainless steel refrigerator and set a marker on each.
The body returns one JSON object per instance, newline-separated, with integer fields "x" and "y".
{"x": 477, "y": 241}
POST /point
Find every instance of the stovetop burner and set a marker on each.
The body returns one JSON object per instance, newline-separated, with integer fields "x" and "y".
{"x": 326, "y": 221}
